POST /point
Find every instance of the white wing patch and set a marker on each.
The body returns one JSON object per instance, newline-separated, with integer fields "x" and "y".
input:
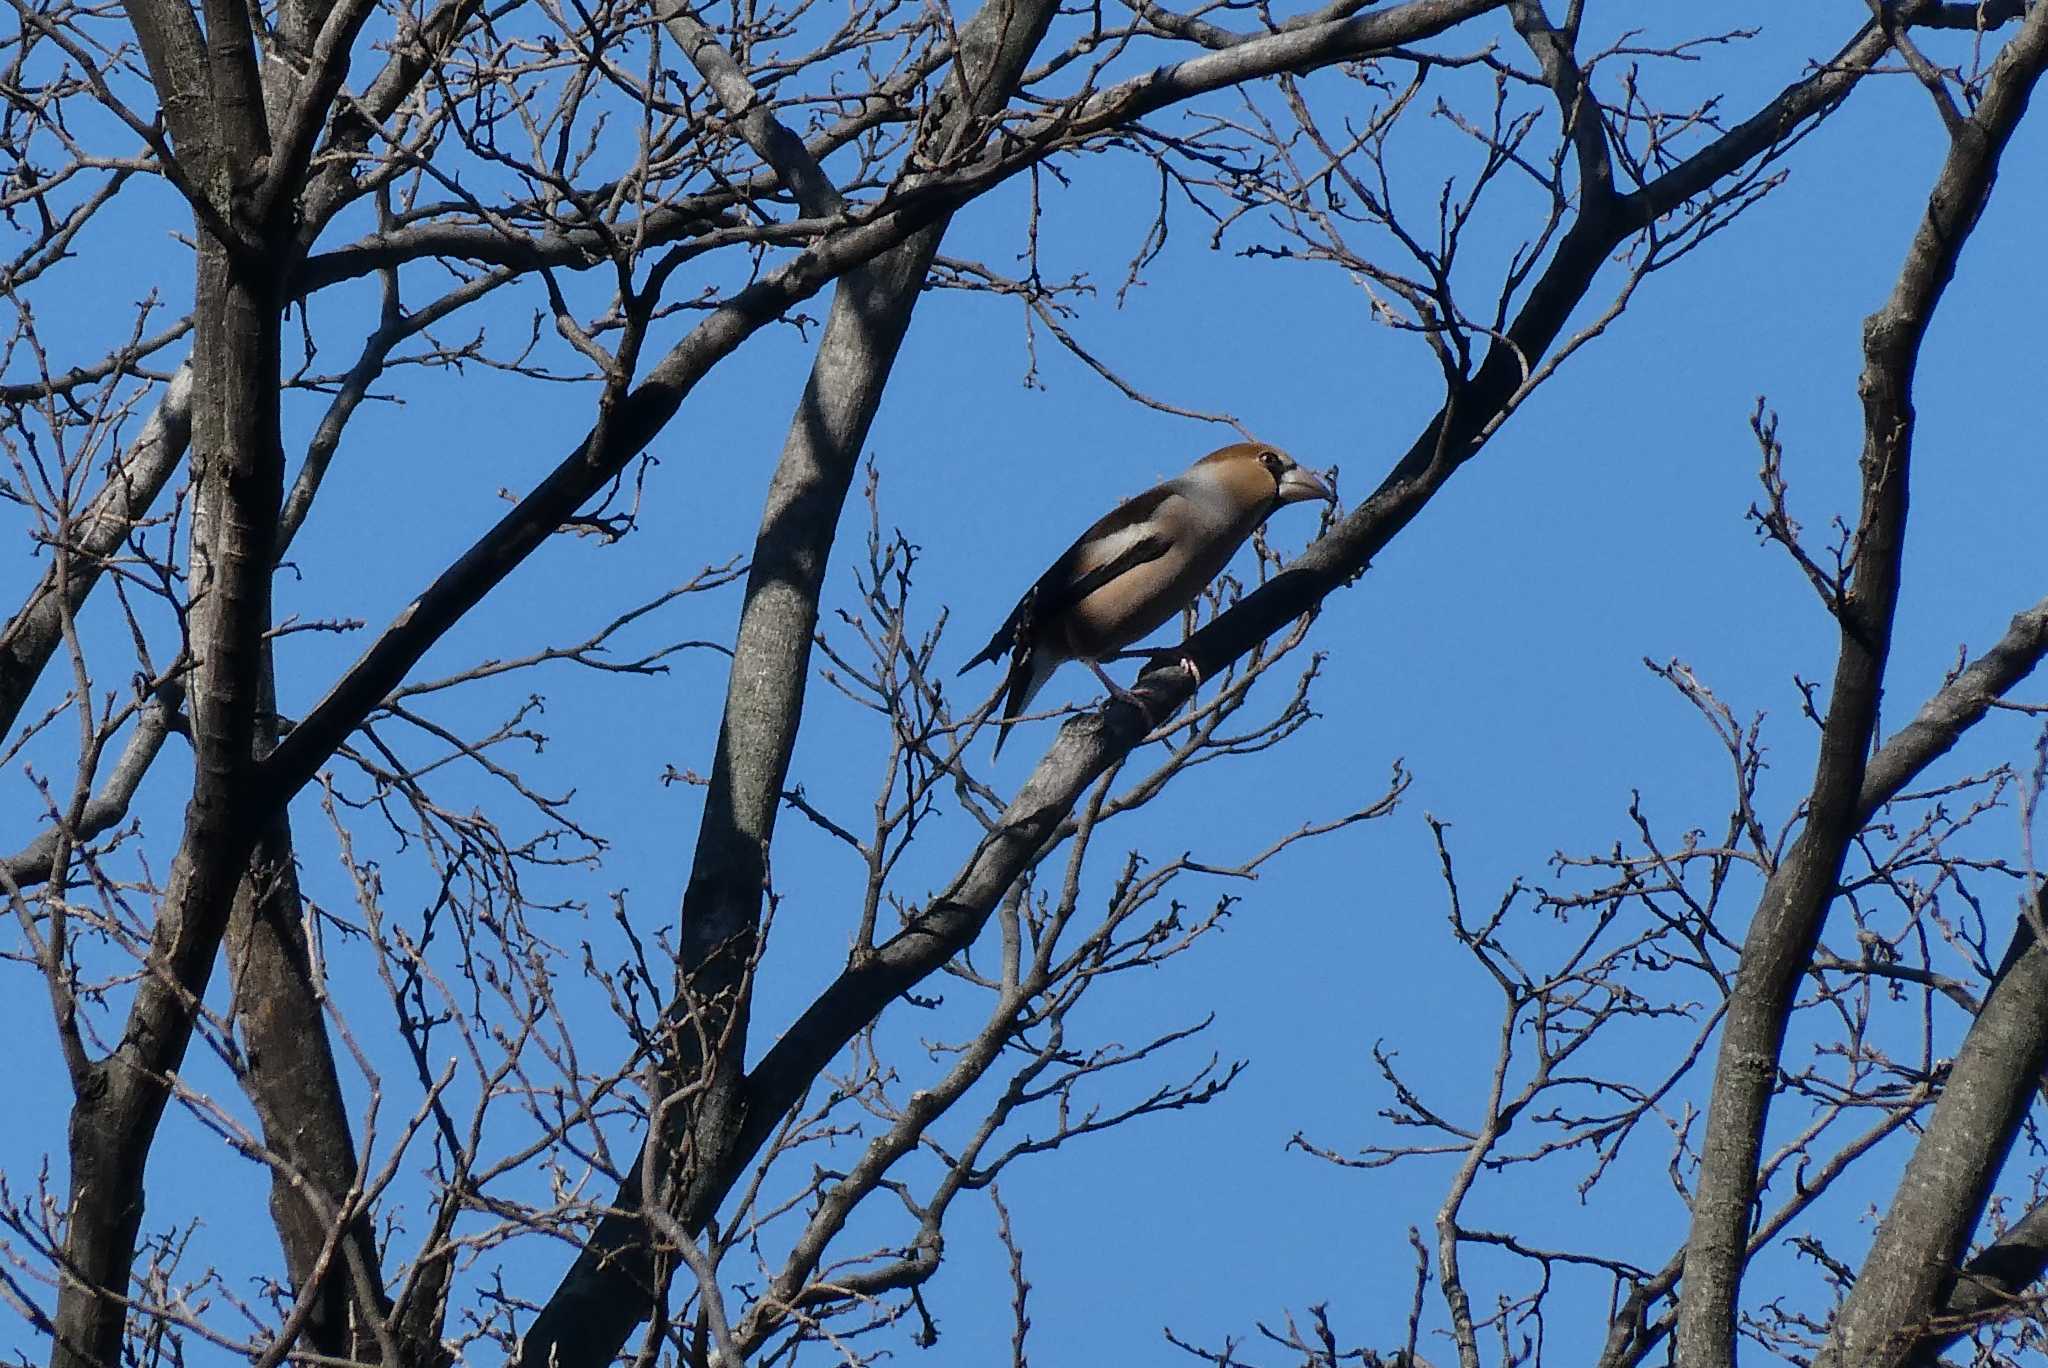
{"x": 1107, "y": 548}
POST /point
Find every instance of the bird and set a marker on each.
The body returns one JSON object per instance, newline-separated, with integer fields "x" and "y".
{"x": 1139, "y": 566}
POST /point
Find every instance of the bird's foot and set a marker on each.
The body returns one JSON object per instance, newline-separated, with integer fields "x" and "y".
{"x": 1137, "y": 701}
{"x": 1158, "y": 660}
{"x": 1123, "y": 695}
{"x": 1175, "y": 660}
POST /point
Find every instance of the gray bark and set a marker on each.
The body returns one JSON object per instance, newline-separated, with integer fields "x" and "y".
{"x": 132, "y": 487}
{"x": 1907, "y": 1278}
{"x": 1787, "y": 925}
{"x": 618, "y": 1279}
{"x": 212, "y": 105}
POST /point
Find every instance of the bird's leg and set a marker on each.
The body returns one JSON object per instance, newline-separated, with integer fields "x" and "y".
{"x": 1120, "y": 692}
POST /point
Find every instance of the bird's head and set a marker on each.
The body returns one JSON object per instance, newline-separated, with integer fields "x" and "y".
{"x": 1256, "y": 470}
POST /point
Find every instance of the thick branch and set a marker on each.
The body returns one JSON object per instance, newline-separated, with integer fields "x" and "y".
{"x": 608, "y": 1291}
{"x": 1577, "y": 108}
{"x": 292, "y": 1081}
{"x": 1959, "y": 705}
{"x": 783, "y": 150}
{"x": 133, "y": 485}
{"x": 1961, "y": 14}
{"x": 238, "y": 463}
{"x": 175, "y": 51}
{"x": 311, "y": 104}
{"x": 33, "y": 864}
{"x": 1907, "y": 1276}
{"x": 1990, "y": 1284}
{"x": 1788, "y": 921}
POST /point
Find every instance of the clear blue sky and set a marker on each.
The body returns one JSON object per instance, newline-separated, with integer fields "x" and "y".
{"x": 1495, "y": 649}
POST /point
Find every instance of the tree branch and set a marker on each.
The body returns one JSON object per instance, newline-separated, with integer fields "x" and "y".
{"x": 1906, "y": 1280}
{"x": 783, "y": 150}
{"x": 1794, "y": 905}
{"x": 132, "y": 486}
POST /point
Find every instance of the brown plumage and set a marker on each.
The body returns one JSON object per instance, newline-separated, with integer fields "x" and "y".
{"x": 1140, "y": 565}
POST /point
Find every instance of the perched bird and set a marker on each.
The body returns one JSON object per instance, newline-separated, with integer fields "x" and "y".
{"x": 1139, "y": 566}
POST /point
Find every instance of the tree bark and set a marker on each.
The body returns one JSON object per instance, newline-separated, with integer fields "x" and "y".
{"x": 618, "y": 1280}
{"x": 1991, "y": 1284}
{"x": 212, "y": 106}
{"x": 291, "y": 1079}
{"x": 1912, "y": 1267}
{"x": 1787, "y": 925}
{"x": 239, "y": 465}
{"x": 132, "y": 487}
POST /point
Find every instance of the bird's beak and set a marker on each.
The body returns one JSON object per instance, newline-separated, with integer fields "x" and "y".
{"x": 1301, "y": 483}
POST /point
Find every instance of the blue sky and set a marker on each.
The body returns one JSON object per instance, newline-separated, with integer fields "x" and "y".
{"x": 1495, "y": 649}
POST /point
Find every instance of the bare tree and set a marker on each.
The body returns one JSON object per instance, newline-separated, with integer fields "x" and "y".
{"x": 365, "y": 195}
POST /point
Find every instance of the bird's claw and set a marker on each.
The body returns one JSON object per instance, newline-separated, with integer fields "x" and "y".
{"x": 1137, "y": 701}
{"x": 1159, "y": 660}
{"x": 1123, "y": 695}
{"x": 1169, "y": 660}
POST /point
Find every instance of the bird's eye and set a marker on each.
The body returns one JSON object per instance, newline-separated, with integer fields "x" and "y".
{"x": 1274, "y": 463}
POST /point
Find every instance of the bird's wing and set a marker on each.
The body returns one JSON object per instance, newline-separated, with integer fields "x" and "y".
{"x": 1067, "y": 585}
{"x": 1126, "y": 537}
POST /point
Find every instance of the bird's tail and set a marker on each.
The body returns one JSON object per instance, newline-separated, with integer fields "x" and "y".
{"x": 1006, "y": 636}
{"x": 1028, "y": 672}
{"x": 1029, "y": 668}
